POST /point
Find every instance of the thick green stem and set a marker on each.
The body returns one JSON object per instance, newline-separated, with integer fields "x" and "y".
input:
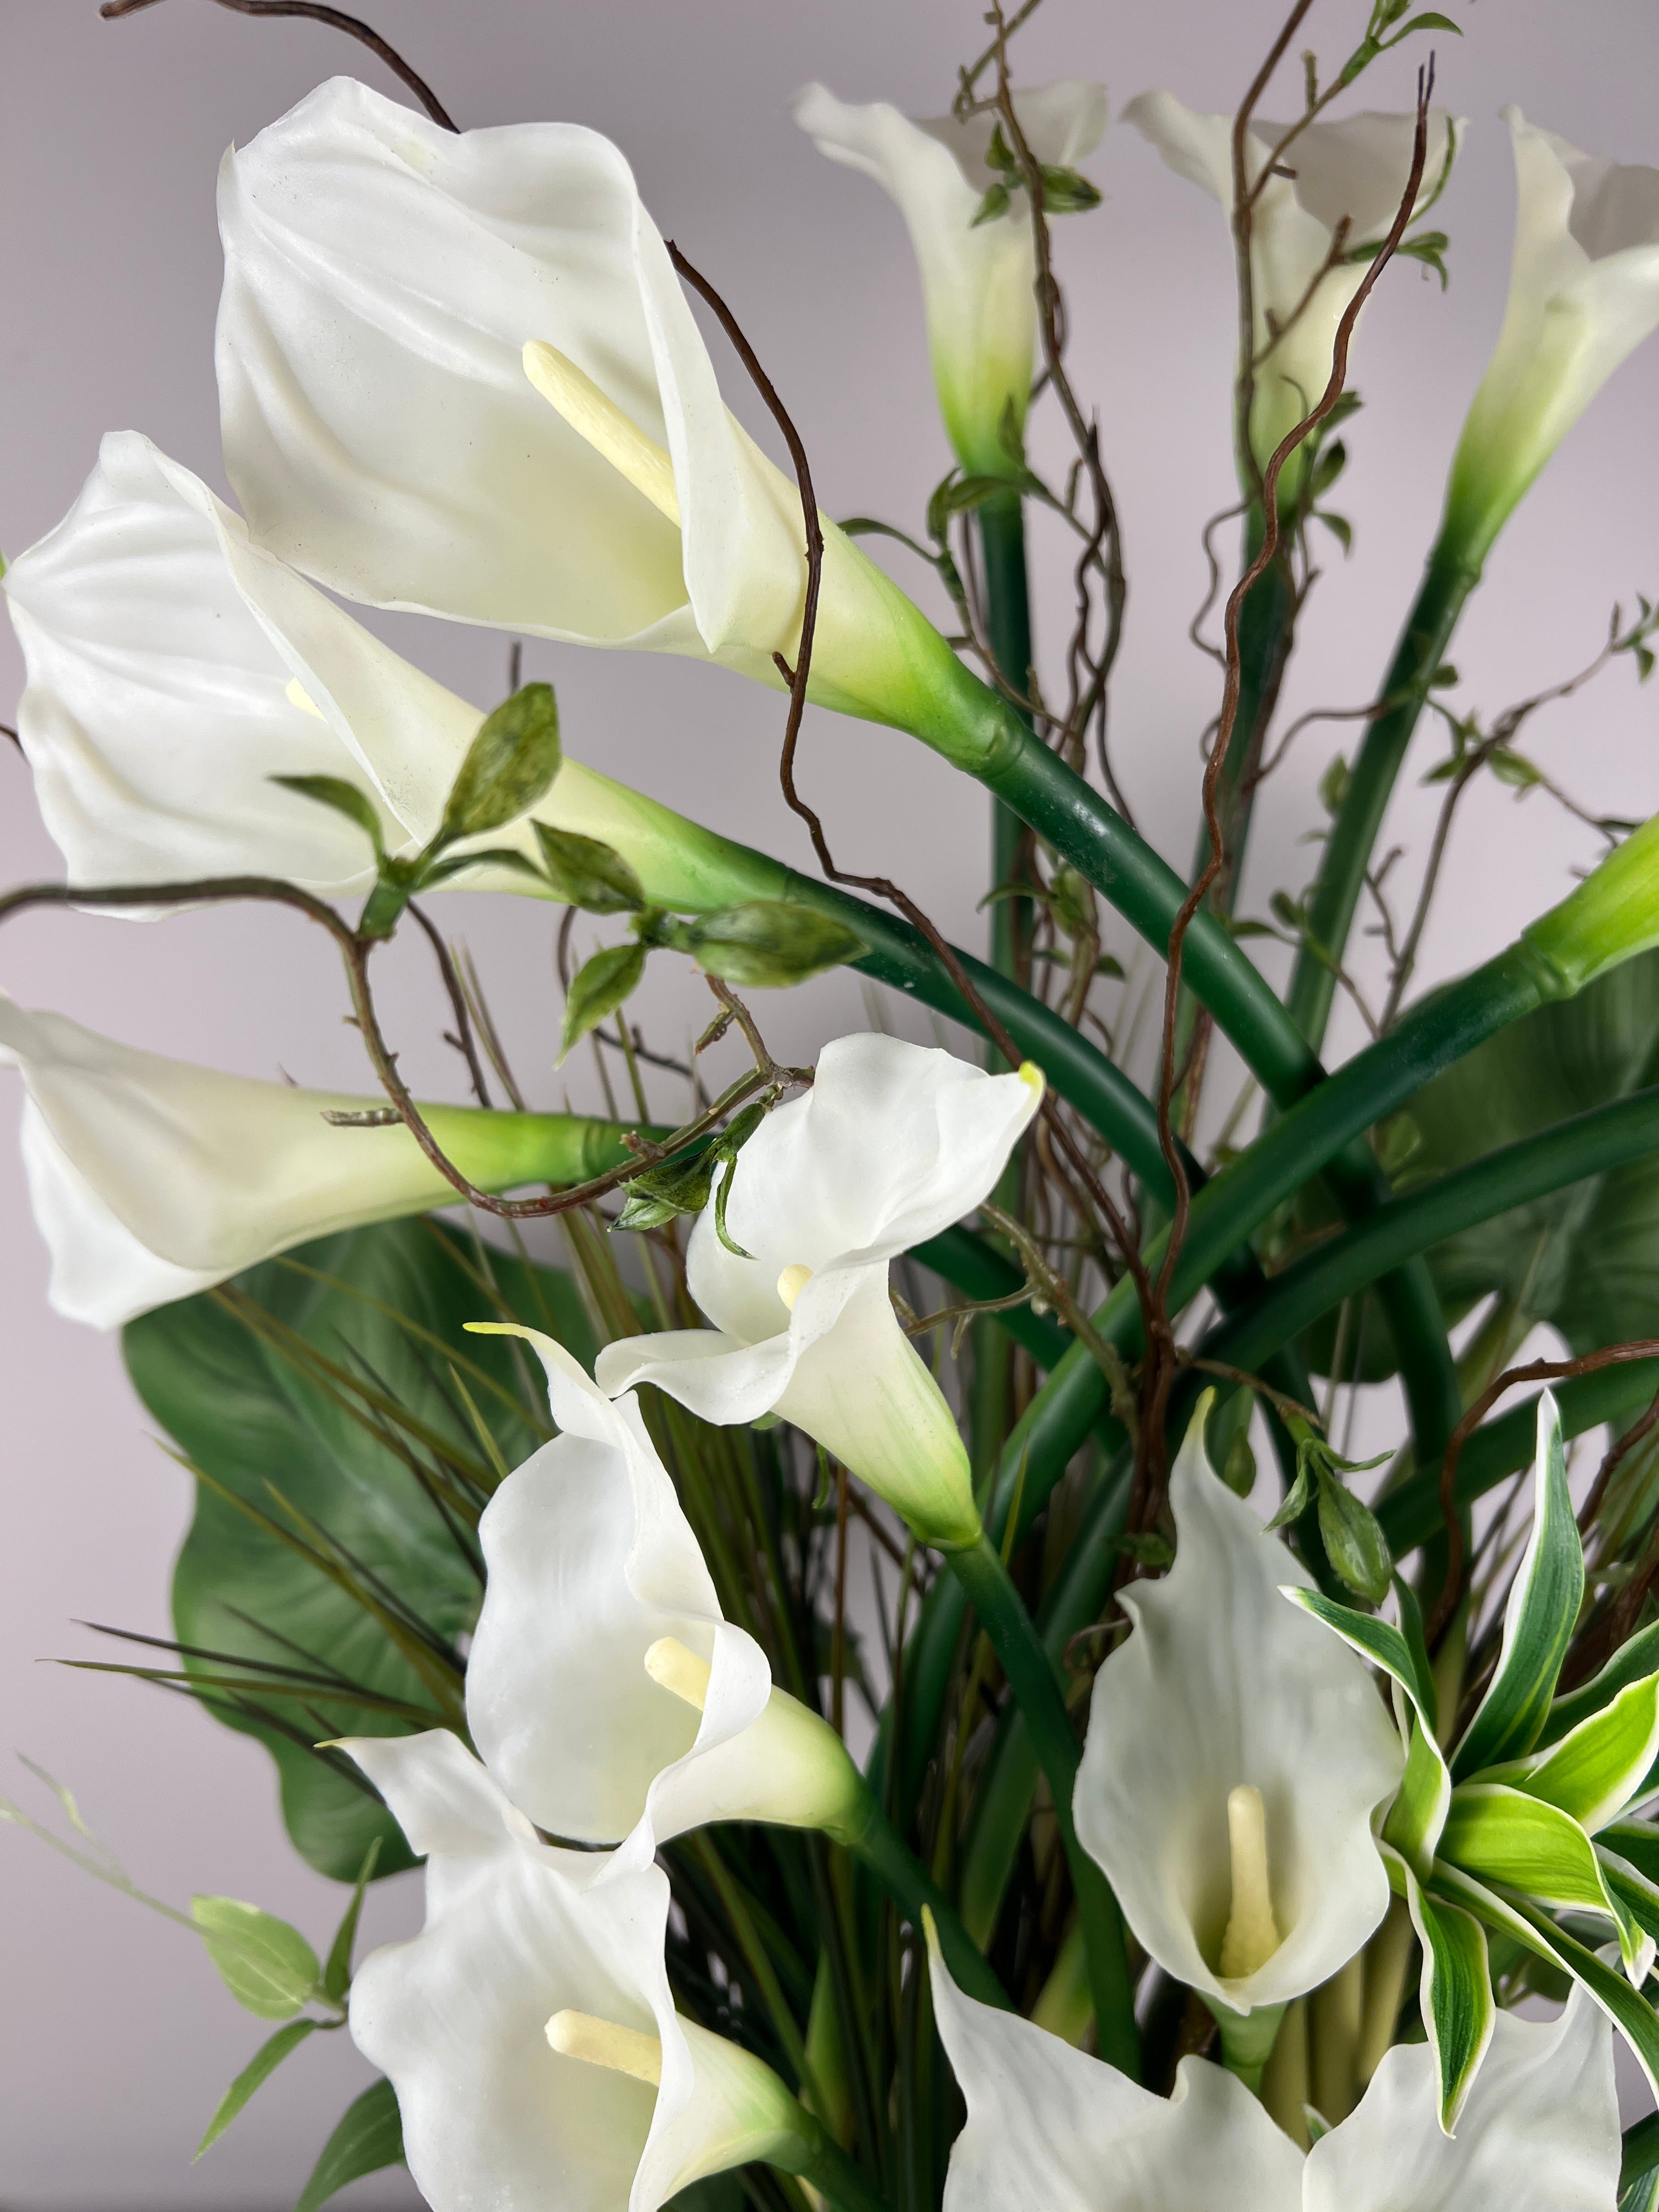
{"x": 872, "y": 1838}
{"x": 1008, "y": 621}
{"x": 819, "y": 2159}
{"x": 1446, "y": 585}
{"x": 1037, "y": 1689}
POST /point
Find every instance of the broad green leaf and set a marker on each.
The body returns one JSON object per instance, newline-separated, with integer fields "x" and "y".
{"x": 1454, "y": 1992}
{"x": 370, "y": 2135}
{"x": 1635, "y": 1890}
{"x": 587, "y": 873}
{"x": 254, "y": 2075}
{"x": 1374, "y": 1640}
{"x": 1629, "y": 1664}
{"x": 509, "y": 765}
{"x": 1637, "y": 1841}
{"x": 1538, "y": 1621}
{"x": 599, "y": 986}
{"x": 1593, "y": 1772}
{"x": 336, "y": 1974}
{"x": 219, "y": 1375}
{"x": 1533, "y": 1849}
{"x": 267, "y": 1965}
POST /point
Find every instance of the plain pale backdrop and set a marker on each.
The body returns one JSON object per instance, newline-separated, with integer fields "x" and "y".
{"x": 116, "y": 2040}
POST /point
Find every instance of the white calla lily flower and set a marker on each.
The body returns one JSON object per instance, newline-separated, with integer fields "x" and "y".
{"x": 1231, "y": 1768}
{"x": 978, "y": 279}
{"x": 1584, "y": 293}
{"x": 605, "y": 1690}
{"x": 529, "y": 2031}
{"x": 174, "y": 668}
{"x": 152, "y": 1178}
{"x": 458, "y": 374}
{"x": 893, "y": 1142}
{"x": 1355, "y": 171}
{"x": 1048, "y": 2126}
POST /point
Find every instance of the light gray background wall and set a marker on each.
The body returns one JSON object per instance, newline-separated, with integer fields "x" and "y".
{"x": 115, "y": 2040}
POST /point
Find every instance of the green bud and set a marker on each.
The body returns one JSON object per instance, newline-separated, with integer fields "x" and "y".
{"x": 765, "y": 944}
{"x": 598, "y": 988}
{"x": 509, "y": 765}
{"x": 1239, "y": 1469}
{"x": 587, "y": 873}
{"x": 1353, "y": 1541}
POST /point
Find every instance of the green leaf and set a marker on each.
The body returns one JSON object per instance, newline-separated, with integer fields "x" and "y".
{"x": 599, "y": 986}
{"x": 345, "y": 798}
{"x": 1633, "y": 1660}
{"x": 1339, "y": 525}
{"x": 509, "y": 765}
{"x": 1538, "y": 1621}
{"x": 1501, "y": 1836}
{"x": 337, "y": 1975}
{"x": 1595, "y": 1772}
{"x": 766, "y": 943}
{"x": 1356, "y": 1545}
{"x": 267, "y": 1965}
{"x": 1637, "y": 1892}
{"x": 587, "y": 873}
{"x": 996, "y": 202}
{"x": 236, "y": 1379}
{"x": 485, "y": 856}
{"x": 258, "y": 2071}
{"x": 1454, "y": 1992}
{"x": 1635, "y": 1842}
{"x": 370, "y": 2135}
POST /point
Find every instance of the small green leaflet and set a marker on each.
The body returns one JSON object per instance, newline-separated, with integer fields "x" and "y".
{"x": 370, "y": 2135}
{"x": 1454, "y": 1992}
{"x": 509, "y": 765}
{"x": 598, "y": 988}
{"x": 254, "y": 2075}
{"x": 267, "y": 1965}
{"x": 1538, "y": 1622}
{"x": 337, "y": 1975}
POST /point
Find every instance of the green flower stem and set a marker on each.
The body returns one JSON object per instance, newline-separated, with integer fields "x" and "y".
{"x": 1037, "y": 1689}
{"x": 1411, "y": 1514}
{"x": 814, "y": 2155}
{"x": 1446, "y": 585}
{"x": 1008, "y": 618}
{"x": 872, "y": 1837}
{"x": 1590, "y": 1143}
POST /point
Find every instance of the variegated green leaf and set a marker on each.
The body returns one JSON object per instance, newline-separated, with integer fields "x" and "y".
{"x": 1501, "y": 1836}
{"x": 1639, "y": 1656}
{"x": 1419, "y": 1811}
{"x": 1455, "y": 1991}
{"x": 1538, "y": 1621}
{"x": 1595, "y": 1772}
{"x": 1635, "y": 1842}
{"x": 1637, "y": 1892}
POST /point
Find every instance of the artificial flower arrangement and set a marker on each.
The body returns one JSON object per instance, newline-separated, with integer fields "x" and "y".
{"x": 1199, "y": 1854}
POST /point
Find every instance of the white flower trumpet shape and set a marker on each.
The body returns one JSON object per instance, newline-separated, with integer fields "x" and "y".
{"x": 978, "y": 281}
{"x": 458, "y": 374}
{"x": 174, "y": 668}
{"x": 1584, "y": 293}
{"x": 528, "y": 2030}
{"x": 605, "y": 1690}
{"x": 1230, "y": 1770}
{"x": 892, "y": 1143}
{"x": 153, "y": 1178}
{"x": 1048, "y": 2126}
{"x": 1355, "y": 171}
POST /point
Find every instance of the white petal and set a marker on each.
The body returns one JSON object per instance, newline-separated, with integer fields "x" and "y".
{"x": 457, "y": 2018}
{"x": 153, "y": 1177}
{"x": 1050, "y": 2127}
{"x": 382, "y": 278}
{"x": 1541, "y": 2128}
{"x": 1221, "y": 1684}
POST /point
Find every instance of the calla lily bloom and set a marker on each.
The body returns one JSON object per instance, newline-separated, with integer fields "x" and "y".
{"x": 174, "y": 668}
{"x": 978, "y": 279}
{"x": 605, "y": 1690}
{"x": 458, "y": 374}
{"x": 1355, "y": 171}
{"x": 1230, "y": 1769}
{"x": 892, "y": 1143}
{"x": 528, "y": 2030}
{"x": 1048, "y": 2126}
{"x": 1584, "y": 293}
{"x": 153, "y": 1178}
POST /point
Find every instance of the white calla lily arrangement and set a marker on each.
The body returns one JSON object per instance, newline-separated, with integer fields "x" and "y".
{"x": 876, "y": 1732}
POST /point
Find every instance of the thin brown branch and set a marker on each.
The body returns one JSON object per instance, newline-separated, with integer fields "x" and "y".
{"x": 462, "y": 1040}
{"x": 335, "y": 20}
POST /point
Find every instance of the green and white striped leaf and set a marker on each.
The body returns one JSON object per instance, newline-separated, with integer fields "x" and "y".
{"x": 1637, "y": 1892}
{"x": 1629, "y": 1664}
{"x": 1414, "y": 1820}
{"x": 1536, "y": 1851}
{"x": 1635, "y": 1842}
{"x": 1538, "y": 1621}
{"x": 1595, "y": 1772}
{"x": 1455, "y": 1991}
{"x": 1627, "y": 2010}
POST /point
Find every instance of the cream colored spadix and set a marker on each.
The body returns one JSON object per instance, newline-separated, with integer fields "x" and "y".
{"x": 668, "y": 1662}
{"x": 595, "y": 416}
{"x": 1252, "y": 1936}
{"x": 791, "y": 1282}
{"x": 602, "y": 2043}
